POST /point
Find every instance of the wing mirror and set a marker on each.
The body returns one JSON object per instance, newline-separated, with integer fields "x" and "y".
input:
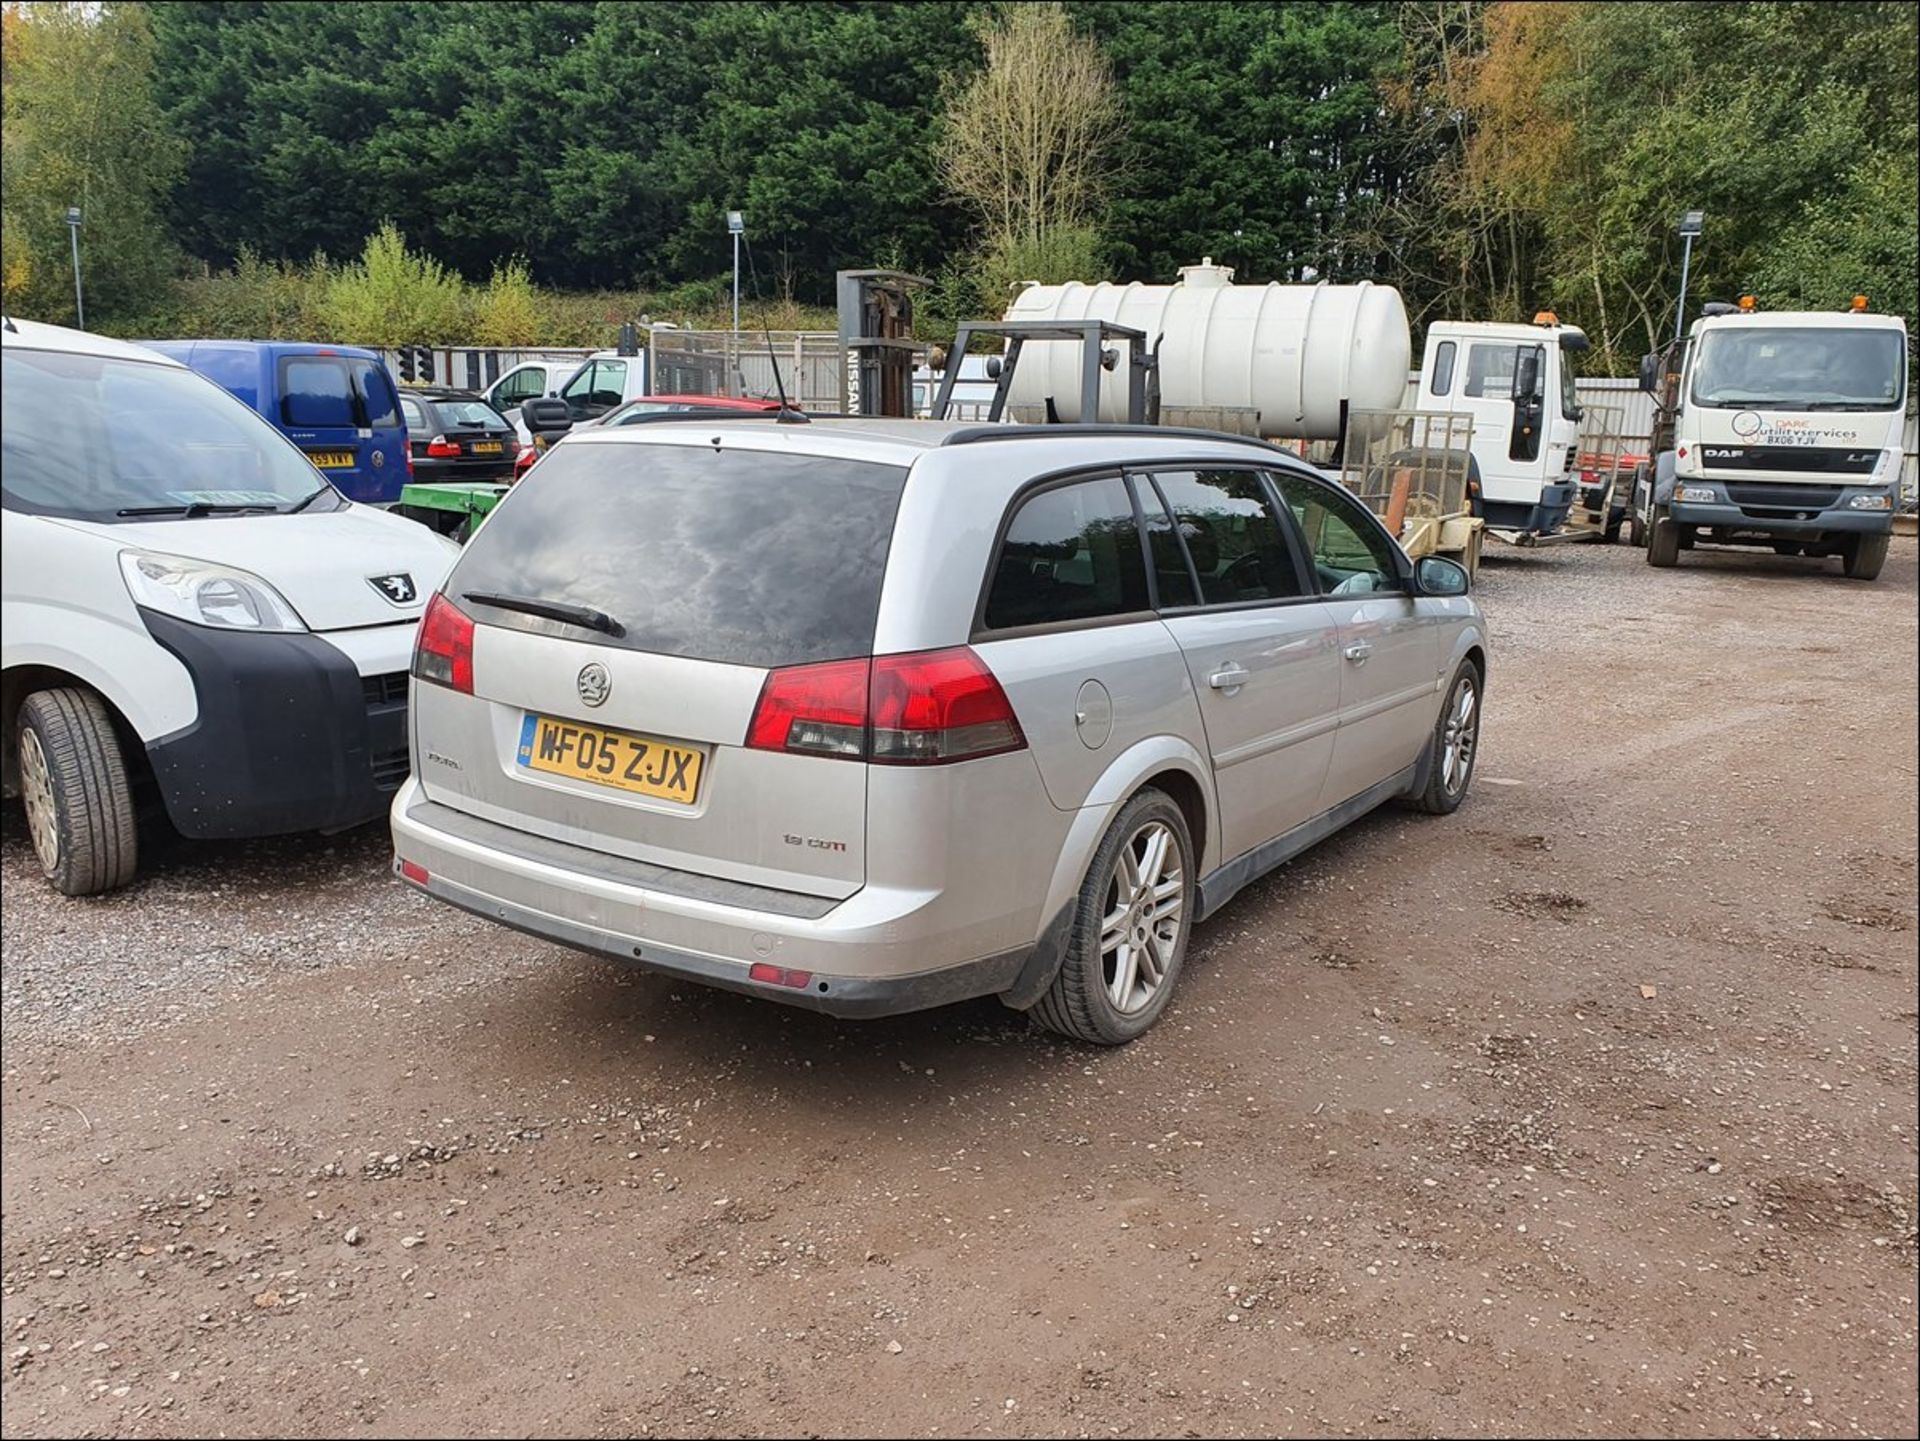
{"x": 1526, "y": 375}
{"x": 548, "y": 416}
{"x": 1650, "y": 373}
{"x": 1436, "y": 575}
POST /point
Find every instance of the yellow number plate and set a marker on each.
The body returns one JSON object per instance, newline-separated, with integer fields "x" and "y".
{"x": 486, "y": 447}
{"x": 332, "y": 459}
{"x": 645, "y": 765}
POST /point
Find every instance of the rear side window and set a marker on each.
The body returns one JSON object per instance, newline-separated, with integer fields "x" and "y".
{"x": 1442, "y": 368}
{"x": 1232, "y": 536}
{"x": 740, "y": 556}
{"x": 1071, "y": 553}
{"x": 416, "y": 418}
{"x": 315, "y": 390}
{"x": 377, "y": 400}
{"x": 1490, "y": 370}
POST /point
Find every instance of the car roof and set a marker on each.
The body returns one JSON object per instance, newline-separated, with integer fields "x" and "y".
{"x": 34, "y": 335}
{"x": 440, "y": 392}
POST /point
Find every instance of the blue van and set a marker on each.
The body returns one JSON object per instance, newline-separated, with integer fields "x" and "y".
{"x": 336, "y": 402}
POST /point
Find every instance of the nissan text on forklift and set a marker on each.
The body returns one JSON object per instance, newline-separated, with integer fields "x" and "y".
{"x": 1776, "y": 430}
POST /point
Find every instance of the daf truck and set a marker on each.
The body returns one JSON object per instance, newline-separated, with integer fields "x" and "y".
{"x": 1776, "y": 430}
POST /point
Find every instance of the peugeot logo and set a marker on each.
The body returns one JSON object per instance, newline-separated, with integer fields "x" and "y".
{"x": 594, "y": 685}
{"x": 396, "y": 588}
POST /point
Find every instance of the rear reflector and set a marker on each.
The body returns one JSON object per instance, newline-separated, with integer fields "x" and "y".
{"x": 414, "y": 872}
{"x": 927, "y": 708}
{"x": 779, "y": 976}
{"x": 443, "y": 651}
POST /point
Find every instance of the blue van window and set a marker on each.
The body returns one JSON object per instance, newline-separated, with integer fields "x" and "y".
{"x": 316, "y": 391}
{"x": 376, "y": 394}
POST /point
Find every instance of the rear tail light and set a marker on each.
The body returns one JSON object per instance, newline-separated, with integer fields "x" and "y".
{"x": 942, "y": 705}
{"x": 440, "y": 448}
{"x": 443, "y": 653}
{"x": 928, "y": 708}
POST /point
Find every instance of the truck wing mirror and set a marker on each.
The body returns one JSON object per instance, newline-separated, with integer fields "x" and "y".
{"x": 1526, "y": 375}
{"x": 1650, "y": 373}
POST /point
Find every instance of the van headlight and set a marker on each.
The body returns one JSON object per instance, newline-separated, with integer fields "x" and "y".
{"x": 203, "y": 593}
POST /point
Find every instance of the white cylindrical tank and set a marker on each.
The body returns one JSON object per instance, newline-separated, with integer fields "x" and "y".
{"x": 1283, "y": 356}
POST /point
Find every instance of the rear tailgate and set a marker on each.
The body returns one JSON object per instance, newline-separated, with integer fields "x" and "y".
{"x": 740, "y": 814}
{"x": 716, "y": 566}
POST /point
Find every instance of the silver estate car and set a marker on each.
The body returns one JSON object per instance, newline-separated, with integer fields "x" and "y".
{"x": 873, "y": 715}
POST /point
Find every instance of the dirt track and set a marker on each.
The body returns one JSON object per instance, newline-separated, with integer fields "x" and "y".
{"x": 1590, "y": 1110}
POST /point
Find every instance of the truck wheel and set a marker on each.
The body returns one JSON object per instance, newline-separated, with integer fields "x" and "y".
{"x": 1864, "y": 555}
{"x": 1663, "y": 539}
{"x": 1636, "y": 532}
{"x": 1614, "y": 521}
{"x": 73, "y": 780}
{"x": 1130, "y": 928}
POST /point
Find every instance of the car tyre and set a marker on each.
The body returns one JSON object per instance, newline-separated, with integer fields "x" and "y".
{"x": 1663, "y": 539}
{"x": 78, "y": 797}
{"x": 1864, "y": 555}
{"x": 1131, "y": 924}
{"x": 1455, "y": 744}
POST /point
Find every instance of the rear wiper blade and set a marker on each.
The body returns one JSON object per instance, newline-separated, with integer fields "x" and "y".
{"x": 551, "y": 609}
{"x": 191, "y": 509}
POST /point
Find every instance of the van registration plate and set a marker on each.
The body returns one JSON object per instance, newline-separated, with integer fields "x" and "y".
{"x": 619, "y": 760}
{"x": 332, "y": 459}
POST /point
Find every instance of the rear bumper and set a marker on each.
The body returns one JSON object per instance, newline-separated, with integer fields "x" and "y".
{"x": 876, "y": 953}
{"x": 289, "y": 735}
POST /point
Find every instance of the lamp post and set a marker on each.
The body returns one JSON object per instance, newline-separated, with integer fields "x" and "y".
{"x": 736, "y": 226}
{"x": 79, "y": 303}
{"x": 1690, "y": 225}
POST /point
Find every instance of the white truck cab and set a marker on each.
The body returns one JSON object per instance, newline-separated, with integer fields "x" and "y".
{"x": 1516, "y": 382}
{"x": 192, "y": 619}
{"x": 1778, "y": 430}
{"x": 590, "y": 387}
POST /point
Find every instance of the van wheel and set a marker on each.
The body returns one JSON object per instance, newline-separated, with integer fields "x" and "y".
{"x": 1663, "y": 540}
{"x": 73, "y": 781}
{"x": 1455, "y": 744}
{"x": 1130, "y": 928}
{"x": 1864, "y": 555}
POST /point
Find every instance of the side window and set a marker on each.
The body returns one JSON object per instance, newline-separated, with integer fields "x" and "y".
{"x": 1442, "y": 380}
{"x": 1490, "y": 370}
{"x": 1233, "y": 538}
{"x": 414, "y": 417}
{"x": 315, "y": 391}
{"x": 1350, "y": 555}
{"x": 609, "y": 384}
{"x": 1071, "y": 553}
{"x": 519, "y": 386}
{"x": 376, "y": 394}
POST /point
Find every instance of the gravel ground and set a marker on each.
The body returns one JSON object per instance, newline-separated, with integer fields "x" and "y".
{"x": 1589, "y": 1110}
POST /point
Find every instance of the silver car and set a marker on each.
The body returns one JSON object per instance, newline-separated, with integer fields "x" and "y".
{"x": 869, "y": 715}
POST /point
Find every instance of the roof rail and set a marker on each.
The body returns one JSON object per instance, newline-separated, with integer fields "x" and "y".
{"x": 976, "y": 434}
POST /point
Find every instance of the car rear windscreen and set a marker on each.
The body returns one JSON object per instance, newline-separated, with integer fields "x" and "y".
{"x": 741, "y": 556}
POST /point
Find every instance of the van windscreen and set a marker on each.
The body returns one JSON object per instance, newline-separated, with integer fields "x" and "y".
{"x": 741, "y": 556}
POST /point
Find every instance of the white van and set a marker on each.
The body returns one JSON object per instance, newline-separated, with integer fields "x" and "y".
{"x": 192, "y": 619}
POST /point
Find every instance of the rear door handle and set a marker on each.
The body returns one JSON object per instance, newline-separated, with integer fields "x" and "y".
{"x": 1358, "y": 652}
{"x": 1229, "y": 677}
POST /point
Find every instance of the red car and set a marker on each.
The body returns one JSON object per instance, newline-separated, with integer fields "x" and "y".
{"x": 648, "y": 405}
